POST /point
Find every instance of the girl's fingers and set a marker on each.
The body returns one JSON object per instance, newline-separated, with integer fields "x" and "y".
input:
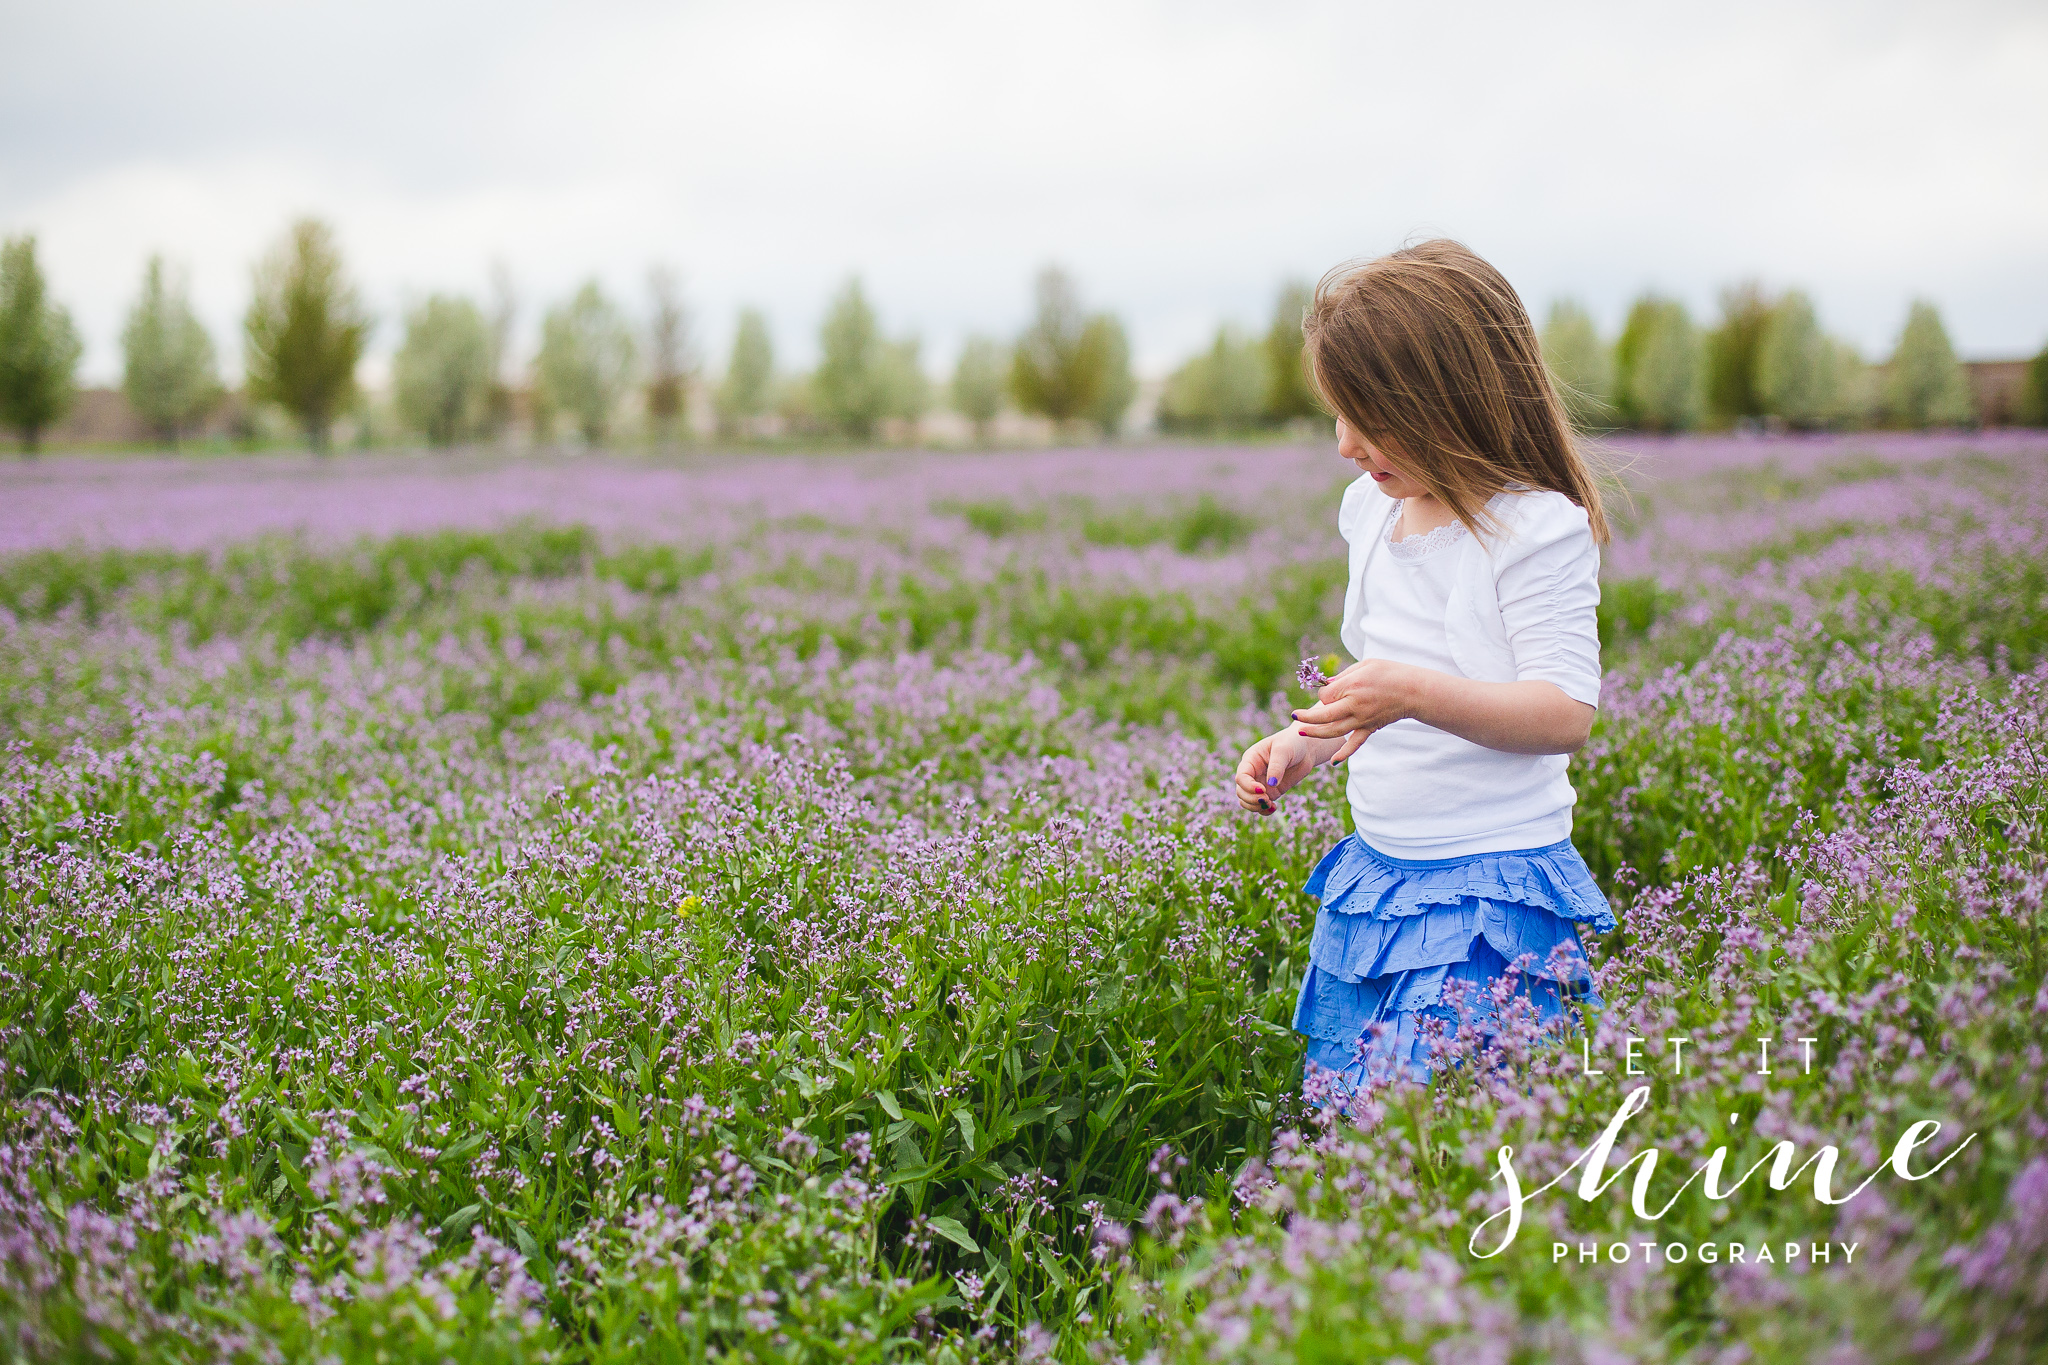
{"x": 1352, "y": 744}
{"x": 1341, "y": 686}
{"x": 1331, "y": 722}
{"x": 1317, "y": 714}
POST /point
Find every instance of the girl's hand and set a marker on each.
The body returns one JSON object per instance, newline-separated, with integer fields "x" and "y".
{"x": 1514, "y": 717}
{"x": 1276, "y": 763}
{"x": 1366, "y": 697}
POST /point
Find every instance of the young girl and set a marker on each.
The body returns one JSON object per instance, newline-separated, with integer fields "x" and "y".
{"x": 1474, "y": 534}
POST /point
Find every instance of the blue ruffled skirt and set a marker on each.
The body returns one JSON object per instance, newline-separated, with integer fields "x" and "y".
{"x": 1394, "y": 932}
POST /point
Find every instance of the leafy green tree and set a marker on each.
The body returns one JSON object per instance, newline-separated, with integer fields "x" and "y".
{"x": 169, "y": 372}
{"x": 1106, "y": 353}
{"x": 1657, "y": 366}
{"x": 1856, "y": 401}
{"x": 852, "y": 383}
{"x": 749, "y": 387}
{"x": 1635, "y": 330}
{"x": 1796, "y": 378}
{"x": 1925, "y": 385}
{"x": 441, "y": 375}
{"x": 1731, "y": 353}
{"x": 39, "y": 347}
{"x": 1224, "y": 388}
{"x": 2033, "y": 409}
{"x": 305, "y": 330}
{"x": 863, "y": 378}
{"x": 1068, "y": 365}
{"x": 1289, "y": 395}
{"x": 668, "y": 353}
{"x": 1045, "y": 373}
{"x": 1580, "y": 365}
{"x": 907, "y": 389}
{"x": 586, "y": 363}
{"x": 978, "y": 382}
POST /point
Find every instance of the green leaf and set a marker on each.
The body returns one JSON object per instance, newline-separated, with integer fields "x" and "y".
{"x": 627, "y": 1117}
{"x": 966, "y": 1122}
{"x": 462, "y": 1218}
{"x": 912, "y": 1183}
{"x": 887, "y": 1099}
{"x": 288, "y": 1163}
{"x": 953, "y": 1231}
{"x": 300, "y": 1129}
{"x": 463, "y": 1150}
{"x": 1026, "y": 1117}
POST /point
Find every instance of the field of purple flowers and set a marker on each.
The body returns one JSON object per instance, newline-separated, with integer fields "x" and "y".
{"x": 792, "y": 909}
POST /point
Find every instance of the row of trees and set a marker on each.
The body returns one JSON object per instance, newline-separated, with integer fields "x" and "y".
{"x": 307, "y": 327}
{"x": 1244, "y": 381}
{"x": 1767, "y": 359}
{"x": 302, "y": 339}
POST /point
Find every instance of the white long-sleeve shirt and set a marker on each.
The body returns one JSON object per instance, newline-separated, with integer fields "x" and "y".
{"x": 1519, "y": 604}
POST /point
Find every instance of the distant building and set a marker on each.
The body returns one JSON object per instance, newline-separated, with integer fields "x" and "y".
{"x": 101, "y": 419}
{"x": 1997, "y": 385}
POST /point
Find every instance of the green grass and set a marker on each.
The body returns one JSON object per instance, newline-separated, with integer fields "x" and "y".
{"x": 528, "y": 881}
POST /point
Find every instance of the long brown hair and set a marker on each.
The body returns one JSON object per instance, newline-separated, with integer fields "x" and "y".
{"x": 1430, "y": 354}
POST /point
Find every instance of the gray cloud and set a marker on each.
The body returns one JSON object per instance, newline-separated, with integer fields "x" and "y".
{"x": 1183, "y": 159}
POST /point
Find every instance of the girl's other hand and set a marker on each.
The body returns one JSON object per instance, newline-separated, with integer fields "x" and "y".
{"x": 1368, "y": 696}
{"x": 1514, "y": 717}
{"x": 1274, "y": 764}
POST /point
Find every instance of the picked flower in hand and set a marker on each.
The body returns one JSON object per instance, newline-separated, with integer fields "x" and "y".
{"x": 1310, "y": 674}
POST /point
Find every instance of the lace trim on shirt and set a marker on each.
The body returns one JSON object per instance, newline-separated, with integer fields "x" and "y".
{"x": 1412, "y": 548}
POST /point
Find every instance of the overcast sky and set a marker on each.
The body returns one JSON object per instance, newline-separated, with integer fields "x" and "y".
{"x": 1181, "y": 159}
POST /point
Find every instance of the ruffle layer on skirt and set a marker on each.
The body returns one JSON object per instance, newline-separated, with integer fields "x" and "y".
{"x": 1394, "y": 932}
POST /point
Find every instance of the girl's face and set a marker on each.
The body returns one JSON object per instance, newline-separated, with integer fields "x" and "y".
{"x": 1363, "y": 453}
